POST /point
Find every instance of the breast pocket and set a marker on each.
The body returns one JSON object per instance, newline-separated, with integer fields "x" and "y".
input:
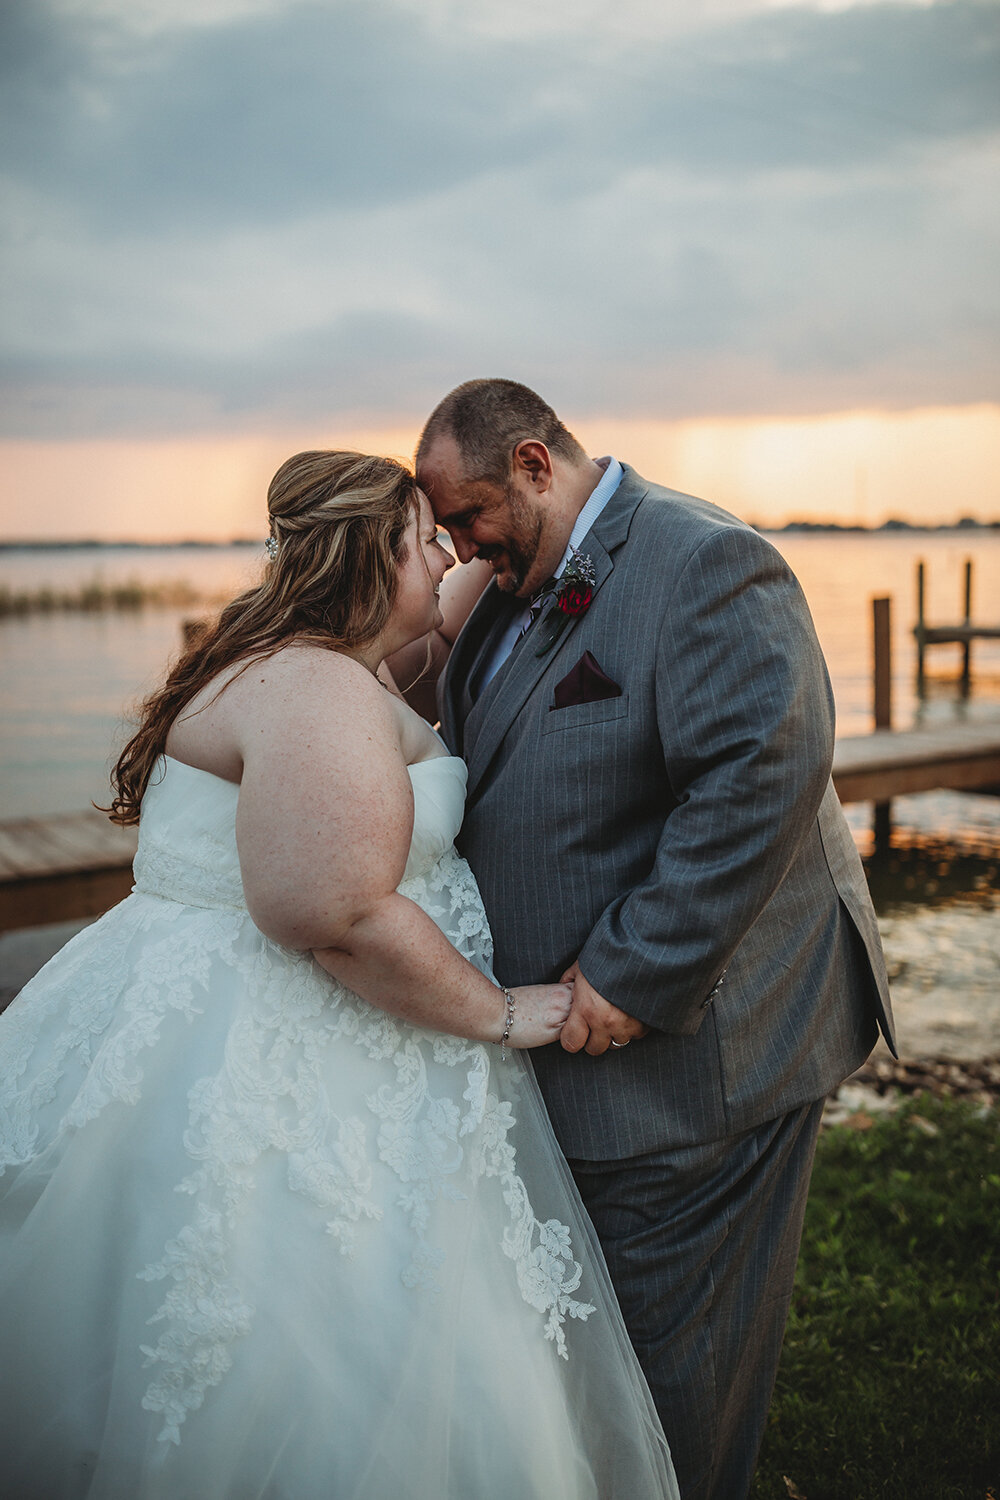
{"x": 581, "y": 715}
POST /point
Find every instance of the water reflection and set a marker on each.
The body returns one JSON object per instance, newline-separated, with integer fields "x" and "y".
{"x": 931, "y": 871}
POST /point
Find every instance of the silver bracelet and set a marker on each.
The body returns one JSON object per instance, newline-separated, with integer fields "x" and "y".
{"x": 509, "y": 1026}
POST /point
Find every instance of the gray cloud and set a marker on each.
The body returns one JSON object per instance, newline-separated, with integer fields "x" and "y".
{"x": 361, "y": 102}
{"x": 275, "y": 114}
{"x": 323, "y": 207}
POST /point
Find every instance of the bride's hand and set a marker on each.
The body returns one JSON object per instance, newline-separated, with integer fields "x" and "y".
{"x": 539, "y": 1013}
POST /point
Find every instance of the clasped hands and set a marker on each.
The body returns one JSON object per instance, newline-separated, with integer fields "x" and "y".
{"x": 594, "y": 1024}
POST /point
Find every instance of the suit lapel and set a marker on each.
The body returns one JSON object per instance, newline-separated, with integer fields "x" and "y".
{"x": 489, "y": 616}
{"x": 495, "y": 711}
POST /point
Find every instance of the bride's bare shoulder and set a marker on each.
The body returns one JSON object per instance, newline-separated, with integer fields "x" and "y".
{"x": 296, "y": 669}
{"x": 322, "y": 699}
{"x": 251, "y": 712}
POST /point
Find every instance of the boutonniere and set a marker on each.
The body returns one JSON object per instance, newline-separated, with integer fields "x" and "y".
{"x": 573, "y": 598}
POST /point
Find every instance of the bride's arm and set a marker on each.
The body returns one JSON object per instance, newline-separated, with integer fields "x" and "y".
{"x": 437, "y": 992}
{"x": 323, "y": 826}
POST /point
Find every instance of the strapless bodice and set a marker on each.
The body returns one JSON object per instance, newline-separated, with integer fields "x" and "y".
{"x": 187, "y": 834}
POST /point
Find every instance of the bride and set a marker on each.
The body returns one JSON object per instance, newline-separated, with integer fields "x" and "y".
{"x": 281, "y": 1215}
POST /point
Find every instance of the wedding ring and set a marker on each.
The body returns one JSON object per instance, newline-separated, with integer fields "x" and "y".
{"x": 620, "y": 1044}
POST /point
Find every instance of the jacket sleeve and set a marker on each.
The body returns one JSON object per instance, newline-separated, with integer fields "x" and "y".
{"x": 744, "y": 713}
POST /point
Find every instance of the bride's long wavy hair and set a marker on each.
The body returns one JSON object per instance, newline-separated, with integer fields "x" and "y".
{"x": 338, "y": 520}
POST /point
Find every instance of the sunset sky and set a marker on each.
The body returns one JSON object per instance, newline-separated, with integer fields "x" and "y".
{"x": 749, "y": 246}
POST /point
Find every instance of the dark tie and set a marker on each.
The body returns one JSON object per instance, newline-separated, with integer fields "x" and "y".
{"x": 538, "y": 603}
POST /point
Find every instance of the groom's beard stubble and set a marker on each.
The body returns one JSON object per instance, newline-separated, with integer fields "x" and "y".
{"x": 523, "y": 541}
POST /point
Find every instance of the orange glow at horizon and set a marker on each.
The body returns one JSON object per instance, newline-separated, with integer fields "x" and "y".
{"x": 932, "y": 465}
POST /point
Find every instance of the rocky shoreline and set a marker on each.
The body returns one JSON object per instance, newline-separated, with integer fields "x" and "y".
{"x": 883, "y": 1084}
{"x": 944, "y": 972}
{"x": 942, "y": 1077}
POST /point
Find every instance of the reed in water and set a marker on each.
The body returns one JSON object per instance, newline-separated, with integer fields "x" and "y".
{"x": 96, "y": 596}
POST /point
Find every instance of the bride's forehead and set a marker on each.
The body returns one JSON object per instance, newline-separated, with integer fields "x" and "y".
{"x": 422, "y": 513}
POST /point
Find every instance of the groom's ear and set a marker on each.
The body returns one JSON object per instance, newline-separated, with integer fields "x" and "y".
{"x": 533, "y": 461}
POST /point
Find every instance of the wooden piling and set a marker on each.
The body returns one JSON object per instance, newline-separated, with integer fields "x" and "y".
{"x": 967, "y": 622}
{"x": 882, "y": 693}
{"x": 882, "y": 648}
{"x": 920, "y": 630}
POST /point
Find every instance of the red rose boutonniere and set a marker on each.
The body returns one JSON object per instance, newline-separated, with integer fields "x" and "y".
{"x": 573, "y": 597}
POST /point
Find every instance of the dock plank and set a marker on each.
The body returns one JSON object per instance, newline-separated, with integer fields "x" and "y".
{"x": 62, "y": 844}
{"x": 62, "y": 867}
{"x": 963, "y": 635}
{"x": 877, "y": 767}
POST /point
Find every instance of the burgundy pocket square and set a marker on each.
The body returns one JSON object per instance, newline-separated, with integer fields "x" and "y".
{"x": 585, "y": 683}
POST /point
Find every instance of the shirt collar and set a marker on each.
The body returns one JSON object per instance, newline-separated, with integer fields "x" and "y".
{"x": 596, "y": 501}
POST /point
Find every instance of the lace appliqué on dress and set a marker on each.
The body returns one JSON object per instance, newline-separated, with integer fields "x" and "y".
{"x": 437, "y": 1122}
{"x": 269, "y": 1096}
{"x": 202, "y": 872}
{"x": 104, "y": 1054}
{"x": 448, "y": 893}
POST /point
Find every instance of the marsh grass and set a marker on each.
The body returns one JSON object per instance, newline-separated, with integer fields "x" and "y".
{"x": 888, "y": 1386}
{"x": 96, "y": 596}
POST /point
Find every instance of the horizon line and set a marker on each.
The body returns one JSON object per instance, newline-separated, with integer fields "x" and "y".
{"x": 893, "y": 524}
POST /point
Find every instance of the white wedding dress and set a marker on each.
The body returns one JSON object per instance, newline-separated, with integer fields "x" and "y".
{"x": 260, "y": 1241}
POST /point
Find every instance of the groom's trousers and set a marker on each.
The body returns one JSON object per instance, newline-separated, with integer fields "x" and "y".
{"x": 702, "y": 1242}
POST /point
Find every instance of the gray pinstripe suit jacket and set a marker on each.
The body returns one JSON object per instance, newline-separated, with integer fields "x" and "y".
{"x": 682, "y": 839}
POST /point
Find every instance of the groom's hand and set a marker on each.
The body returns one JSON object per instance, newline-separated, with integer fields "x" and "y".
{"x": 593, "y": 1022}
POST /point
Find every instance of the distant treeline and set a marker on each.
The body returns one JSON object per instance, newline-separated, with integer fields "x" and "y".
{"x": 967, "y": 523}
{"x": 95, "y": 597}
{"x": 91, "y": 544}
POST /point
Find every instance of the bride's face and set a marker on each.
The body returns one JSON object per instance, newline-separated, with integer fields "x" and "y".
{"x": 416, "y": 610}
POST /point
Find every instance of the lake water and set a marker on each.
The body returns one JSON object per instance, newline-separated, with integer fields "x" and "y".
{"x": 69, "y": 680}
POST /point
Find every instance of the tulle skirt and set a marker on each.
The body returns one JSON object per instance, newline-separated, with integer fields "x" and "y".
{"x": 259, "y": 1241}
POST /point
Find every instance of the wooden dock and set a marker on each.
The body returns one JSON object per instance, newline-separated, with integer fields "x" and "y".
{"x": 877, "y": 767}
{"x": 962, "y": 634}
{"x": 58, "y": 868}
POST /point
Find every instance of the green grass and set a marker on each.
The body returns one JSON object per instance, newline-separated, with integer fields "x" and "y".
{"x": 888, "y": 1386}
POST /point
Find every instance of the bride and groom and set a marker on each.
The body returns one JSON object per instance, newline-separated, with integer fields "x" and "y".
{"x": 282, "y": 1212}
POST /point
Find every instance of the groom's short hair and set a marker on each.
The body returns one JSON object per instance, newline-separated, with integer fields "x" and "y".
{"x": 487, "y": 419}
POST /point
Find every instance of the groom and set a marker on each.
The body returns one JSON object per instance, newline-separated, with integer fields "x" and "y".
{"x": 648, "y": 726}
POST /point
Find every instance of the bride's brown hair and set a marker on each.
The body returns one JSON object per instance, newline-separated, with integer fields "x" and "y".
{"x": 339, "y": 522}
